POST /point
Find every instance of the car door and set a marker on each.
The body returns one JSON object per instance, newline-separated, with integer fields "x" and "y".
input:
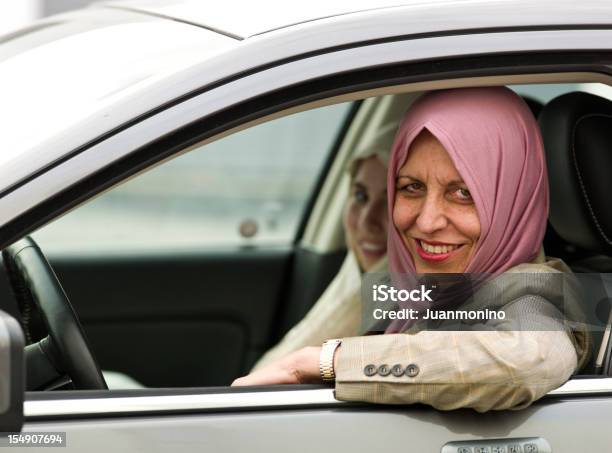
{"x": 275, "y": 418}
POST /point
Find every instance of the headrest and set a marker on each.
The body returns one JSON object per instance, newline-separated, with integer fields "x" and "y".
{"x": 534, "y": 105}
{"x": 577, "y": 133}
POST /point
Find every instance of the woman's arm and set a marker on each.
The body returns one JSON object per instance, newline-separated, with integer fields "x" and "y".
{"x": 484, "y": 370}
{"x": 449, "y": 370}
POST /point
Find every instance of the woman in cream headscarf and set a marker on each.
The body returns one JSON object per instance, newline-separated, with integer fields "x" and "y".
{"x": 337, "y": 313}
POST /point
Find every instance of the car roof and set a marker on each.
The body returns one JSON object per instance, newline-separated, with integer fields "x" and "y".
{"x": 242, "y": 19}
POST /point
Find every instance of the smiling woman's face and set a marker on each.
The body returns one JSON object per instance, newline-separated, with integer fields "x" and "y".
{"x": 365, "y": 213}
{"x": 434, "y": 211}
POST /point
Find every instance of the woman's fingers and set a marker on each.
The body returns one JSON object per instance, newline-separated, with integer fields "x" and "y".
{"x": 299, "y": 367}
{"x": 268, "y": 376}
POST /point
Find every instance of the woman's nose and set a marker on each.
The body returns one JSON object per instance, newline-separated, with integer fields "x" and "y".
{"x": 374, "y": 218}
{"x": 431, "y": 216}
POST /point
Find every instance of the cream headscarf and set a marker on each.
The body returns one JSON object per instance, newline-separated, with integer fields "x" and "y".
{"x": 337, "y": 313}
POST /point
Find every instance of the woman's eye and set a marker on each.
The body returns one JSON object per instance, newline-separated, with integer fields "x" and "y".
{"x": 413, "y": 188}
{"x": 463, "y": 194}
{"x": 360, "y": 196}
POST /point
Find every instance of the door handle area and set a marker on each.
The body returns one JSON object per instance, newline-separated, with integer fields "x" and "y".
{"x": 508, "y": 445}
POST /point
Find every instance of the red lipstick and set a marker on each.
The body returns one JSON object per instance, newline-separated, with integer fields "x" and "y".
{"x": 433, "y": 257}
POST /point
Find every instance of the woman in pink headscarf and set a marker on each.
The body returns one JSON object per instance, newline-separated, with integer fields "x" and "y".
{"x": 467, "y": 193}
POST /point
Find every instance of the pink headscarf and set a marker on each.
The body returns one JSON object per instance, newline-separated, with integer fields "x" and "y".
{"x": 495, "y": 143}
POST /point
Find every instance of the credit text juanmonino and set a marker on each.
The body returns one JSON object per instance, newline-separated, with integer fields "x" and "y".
{"x": 386, "y": 293}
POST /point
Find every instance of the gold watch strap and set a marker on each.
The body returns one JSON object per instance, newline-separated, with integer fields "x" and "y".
{"x": 326, "y": 360}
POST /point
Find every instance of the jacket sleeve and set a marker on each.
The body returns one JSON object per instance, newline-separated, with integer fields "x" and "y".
{"x": 483, "y": 369}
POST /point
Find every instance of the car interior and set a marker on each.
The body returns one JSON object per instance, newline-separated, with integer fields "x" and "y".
{"x": 201, "y": 317}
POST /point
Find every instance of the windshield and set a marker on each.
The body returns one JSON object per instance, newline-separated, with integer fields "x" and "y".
{"x": 59, "y": 72}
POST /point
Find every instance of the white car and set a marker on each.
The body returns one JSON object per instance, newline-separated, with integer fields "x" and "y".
{"x": 182, "y": 167}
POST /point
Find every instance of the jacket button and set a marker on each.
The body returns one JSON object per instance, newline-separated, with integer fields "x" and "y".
{"x": 397, "y": 370}
{"x": 384, "y": 370}
{"x": 412, "y": 370}
{"x": 369, "y": 370}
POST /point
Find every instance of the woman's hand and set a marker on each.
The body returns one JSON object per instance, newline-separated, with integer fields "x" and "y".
{"x": 299, "y": 367}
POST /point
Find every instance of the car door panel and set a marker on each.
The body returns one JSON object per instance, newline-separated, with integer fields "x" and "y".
{"x": 189, "y": 319}
{"x": 343, "y": 427}
{"x": 174, "y": 320}
{"x": 180, "y": 320}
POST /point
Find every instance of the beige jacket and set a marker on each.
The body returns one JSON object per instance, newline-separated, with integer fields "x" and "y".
{"x": 484, "y": 370}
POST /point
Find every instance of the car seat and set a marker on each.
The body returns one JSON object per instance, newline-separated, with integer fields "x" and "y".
{"x": 577, "y": 133}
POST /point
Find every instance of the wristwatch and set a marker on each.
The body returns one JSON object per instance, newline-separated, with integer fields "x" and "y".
{"x": 326, "y": 360}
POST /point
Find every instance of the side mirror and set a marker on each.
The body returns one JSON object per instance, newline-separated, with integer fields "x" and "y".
{"x": 12, "y": 374}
